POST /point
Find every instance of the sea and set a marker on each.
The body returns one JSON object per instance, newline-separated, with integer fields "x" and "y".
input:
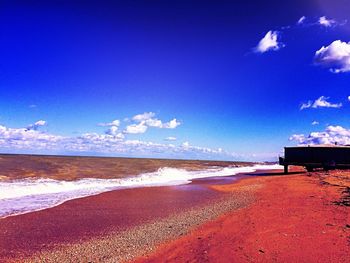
{"x": 42, "y": 184}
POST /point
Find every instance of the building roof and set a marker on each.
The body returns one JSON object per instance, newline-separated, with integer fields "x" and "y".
{"x": 320, "y": 146}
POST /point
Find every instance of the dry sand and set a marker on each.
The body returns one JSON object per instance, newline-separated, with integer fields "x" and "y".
{"x": 295, "y": 218}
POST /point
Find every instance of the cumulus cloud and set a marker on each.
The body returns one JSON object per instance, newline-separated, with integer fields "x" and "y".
{"x": 148, "y": 119}
{"x": 301, "y": 20}
{"x": 154, "y": 123}
{"x": 36, "y": 125}
{"x": 335, "y": 56}
{"x": 19, "y": 138}
{"x": 170, "y": 138}
{"x": 297, "y": 137}
{"x": 136, "y": 128}
{"x": 306, "y": 105}
{"x": 171, "y": 124}
{"x": 108, "y": 124}
{"x": 315, "y": 123}
{"x": 269, "y": 42}
{"x": 332, "y": 135}
{"x": 321, "y": 102}
{"x": 144, "y": 116}
{"x": 113, "y": 128}
{"x": 113, "y": 131}
{"x": 185, "y": 144}
{"x": 324, "y": 21}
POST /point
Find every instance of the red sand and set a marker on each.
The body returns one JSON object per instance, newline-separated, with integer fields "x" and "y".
{"x": 85, "y": 218}
{"x": 293, "y": 220}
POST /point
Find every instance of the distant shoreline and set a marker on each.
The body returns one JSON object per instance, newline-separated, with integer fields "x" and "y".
{"x": 125, "y": 157}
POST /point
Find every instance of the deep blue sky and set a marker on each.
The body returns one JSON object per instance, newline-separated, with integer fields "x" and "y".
{"x": 75, "y": 64}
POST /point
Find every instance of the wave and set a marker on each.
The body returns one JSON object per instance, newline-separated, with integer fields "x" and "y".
{"x": 28, "y": 195}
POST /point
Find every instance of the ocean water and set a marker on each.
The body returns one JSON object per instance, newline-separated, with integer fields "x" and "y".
{"x": 28, "y": 195}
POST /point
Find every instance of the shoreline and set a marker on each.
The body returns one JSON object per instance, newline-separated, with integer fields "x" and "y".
{"x": 91, "y": 218}
{"x": 18, "y": 205}
{"x": 155, "y": 223}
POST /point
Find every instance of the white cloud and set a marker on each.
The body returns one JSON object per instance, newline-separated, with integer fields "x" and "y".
{"x": 171, "y": 124}
{"x": 19, "y": 138}
{"x": 321, "y": 102}
{"x": 154, "y": 123}
{"x": 324, "y": 21}
{"x": 306, "y": 105}
{"x": 115, "y": 123}
{"x": 113, "y": 143}
{"x": 113, "y": 130}
{"x": 336, "y": 56}
{"x": 269, "y": 42}
{"x": 170, "y": 138}
{"x": 186, "y": 145}
{"x": 136, "y": 128}
{"x": 331, "y": 135}
{"x": 147, "y": 119}
{"x": 315, "y": 123}
{"x": 348, "y": 98}
{"x": 144, "y": 116}
{"x": 301, "y": 20}
{"x": 297, "y": 137}
{"x": 141, "y": 124}
{"x": 36, "y": 125}
{"x": 40, "y": 123}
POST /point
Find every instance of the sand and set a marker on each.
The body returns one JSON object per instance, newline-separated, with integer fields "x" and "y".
{"x": 301, "y": 217}
{"x": 126, "y": 217}
{"x": 295, "y": 218}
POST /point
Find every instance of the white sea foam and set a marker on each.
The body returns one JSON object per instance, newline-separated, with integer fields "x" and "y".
{"x": 27, "y": 195}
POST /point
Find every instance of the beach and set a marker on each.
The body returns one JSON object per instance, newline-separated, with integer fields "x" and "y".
{"x": 303, "y": 217}
{"x": 175, "y": 131}
{"x": 254, "y": 217}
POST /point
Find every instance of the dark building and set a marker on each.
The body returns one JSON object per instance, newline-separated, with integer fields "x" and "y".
{"x": 316, "y": 156}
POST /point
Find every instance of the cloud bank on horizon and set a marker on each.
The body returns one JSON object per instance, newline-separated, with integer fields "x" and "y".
{"x": 111, "y": 142}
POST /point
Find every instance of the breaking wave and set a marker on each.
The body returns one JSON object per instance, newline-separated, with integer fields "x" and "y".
{"x": 28, "y": 195}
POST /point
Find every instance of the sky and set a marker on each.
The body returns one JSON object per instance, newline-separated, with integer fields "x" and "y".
{"x": 223, "y": 80}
